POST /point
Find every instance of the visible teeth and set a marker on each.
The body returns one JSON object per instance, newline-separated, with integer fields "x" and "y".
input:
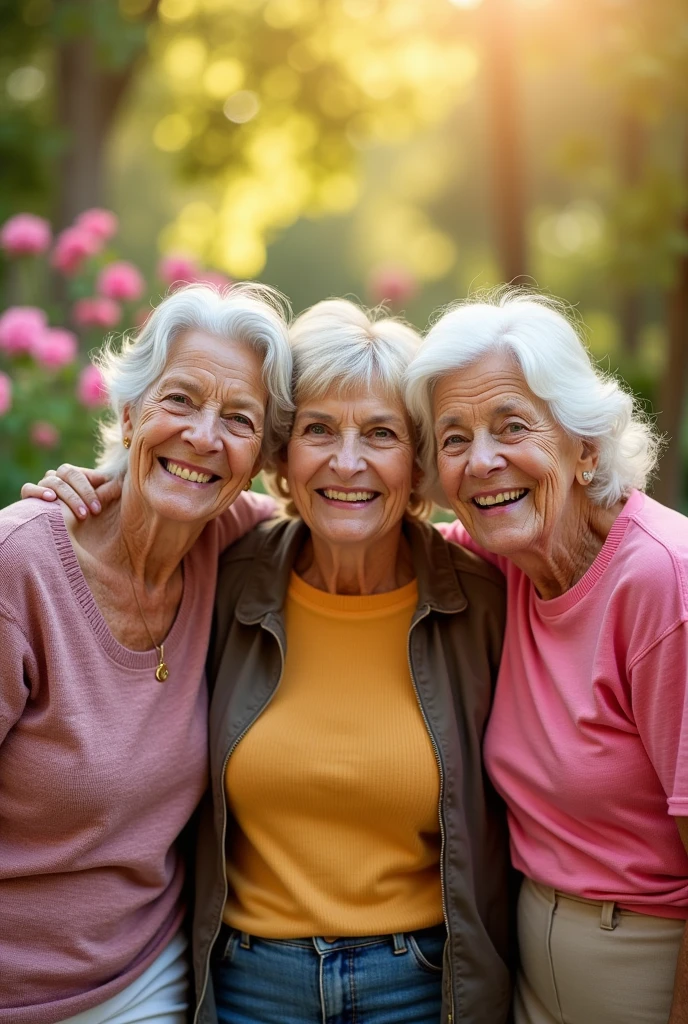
{"x": 186, "y": 474}
{"x": 499, "y": 499}
{"x": 348, "y": 495}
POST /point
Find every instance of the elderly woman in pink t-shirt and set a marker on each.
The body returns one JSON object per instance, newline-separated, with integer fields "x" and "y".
{"x": 544, "y": 459}
{"x": 104, "y": 626}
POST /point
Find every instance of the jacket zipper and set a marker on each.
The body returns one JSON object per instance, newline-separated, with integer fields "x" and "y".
{"x": 231, "y": 750}
{"x": 439, "y": 809}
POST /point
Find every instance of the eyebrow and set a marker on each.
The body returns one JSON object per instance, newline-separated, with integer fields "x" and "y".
{"x": 501, "y": 410}
{"x": 188, "y": 384}
{"x": 385, "y": 417}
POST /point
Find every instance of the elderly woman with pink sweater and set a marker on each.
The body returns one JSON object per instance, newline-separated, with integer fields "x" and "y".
{"x": 545, "y": 461}
{"x": 104, "y": 626}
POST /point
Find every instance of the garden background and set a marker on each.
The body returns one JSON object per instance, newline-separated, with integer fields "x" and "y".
{"x": 402, "y": 150}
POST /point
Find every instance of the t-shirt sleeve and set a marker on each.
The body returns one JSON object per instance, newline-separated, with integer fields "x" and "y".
{"x": 659, "y": 685}
{"x": 17, "y": 666}
{"x": 456, "y": 533}
{"x": 247, "y": 511}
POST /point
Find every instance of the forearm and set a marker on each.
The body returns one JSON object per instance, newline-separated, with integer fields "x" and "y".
{"x": 679, "y": 1006}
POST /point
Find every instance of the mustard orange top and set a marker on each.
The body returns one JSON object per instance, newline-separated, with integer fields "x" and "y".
{"x": 335, "y": 788}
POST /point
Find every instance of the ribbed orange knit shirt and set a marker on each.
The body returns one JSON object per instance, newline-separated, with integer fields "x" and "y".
{"x": 334, "y": 790}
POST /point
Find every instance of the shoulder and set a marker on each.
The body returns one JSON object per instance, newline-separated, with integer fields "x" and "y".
{"x": 655, "y": 551}
{"x": 468, "y": 564}
{"x": 29, "y": 556}
{"x": 446, "y": 543}
{"x": 25, "y": 537}
{"x": 270, "y": 534}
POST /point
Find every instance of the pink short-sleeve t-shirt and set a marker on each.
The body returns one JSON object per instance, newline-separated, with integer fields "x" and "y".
{"x": 588, "y": 738}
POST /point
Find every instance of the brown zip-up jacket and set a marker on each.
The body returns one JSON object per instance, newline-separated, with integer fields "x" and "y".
{"x": 454, "y": 647}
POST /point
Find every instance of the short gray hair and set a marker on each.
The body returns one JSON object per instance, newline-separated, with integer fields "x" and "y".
{"x": 539, "y": 333}
{"x": 339, "y": 345}
{"x": 251, "y": 314}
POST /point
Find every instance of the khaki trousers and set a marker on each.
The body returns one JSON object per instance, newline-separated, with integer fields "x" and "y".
{"x": 590, "y": 963}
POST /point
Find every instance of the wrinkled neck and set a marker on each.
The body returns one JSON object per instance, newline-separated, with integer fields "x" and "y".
{"x": 357, "y": 569}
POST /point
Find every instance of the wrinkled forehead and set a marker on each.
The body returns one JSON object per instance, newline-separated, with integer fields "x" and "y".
{"x": 488, "y": 378}
{"x": 363, "y": 400}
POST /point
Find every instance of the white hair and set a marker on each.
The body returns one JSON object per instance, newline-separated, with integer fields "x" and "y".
{"x": 338, "y": 345}
{"x": 248, "y": 314}
{"x": 536, "y": 332}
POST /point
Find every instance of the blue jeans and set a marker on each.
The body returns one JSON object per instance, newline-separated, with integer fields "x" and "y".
{"x": 377, "y": 979}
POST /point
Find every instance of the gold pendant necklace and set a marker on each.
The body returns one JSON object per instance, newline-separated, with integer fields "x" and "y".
{"x": 161, "y": 672}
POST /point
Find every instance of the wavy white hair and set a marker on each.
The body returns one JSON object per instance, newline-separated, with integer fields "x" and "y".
{"x": 537, "y": 333}
{"x": 249, "y": 314}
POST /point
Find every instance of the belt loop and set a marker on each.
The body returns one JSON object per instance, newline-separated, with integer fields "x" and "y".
{"x": 607, "y": 921}
{"x": 399, "y": 943}
{"x": 245, "y": 942}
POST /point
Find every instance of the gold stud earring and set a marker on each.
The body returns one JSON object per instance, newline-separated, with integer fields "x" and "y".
{"x": 249, "y": 485}
{"x": 126, "y": 441}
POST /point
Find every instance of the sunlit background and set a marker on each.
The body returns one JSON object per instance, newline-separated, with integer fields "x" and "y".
{"x": 408, "y": 150}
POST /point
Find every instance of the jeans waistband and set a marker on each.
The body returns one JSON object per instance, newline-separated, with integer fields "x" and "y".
{"x": 323, "y": 945}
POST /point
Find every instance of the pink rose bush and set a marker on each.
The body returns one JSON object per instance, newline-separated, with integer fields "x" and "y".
{"x": 25, "y": 235}
{"x": 45, "y": 435}
{"x": 121, "y": 281}
{"x": 102, "y": 224}
{"x": 20, "y": 328}
{"x": 91, "y": 388}
{"x": 55, "y": 347}
{"x": 50, "y": 395}
{"x": 97, "y": 312}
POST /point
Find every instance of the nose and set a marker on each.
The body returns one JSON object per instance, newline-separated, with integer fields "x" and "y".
{"x": 484, "y": 456}
{"x": 202, "y": 432}
{"x": 347, "y": 459}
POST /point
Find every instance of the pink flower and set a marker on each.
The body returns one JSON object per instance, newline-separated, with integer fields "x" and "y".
{"x": 25, "y": 235}
{"x": 121, "y": 281}
{"x": 91, "y": 390}
{"x": 96, "y": 312}
{"x": 102, "y": 224}
{"x": 177, "y": 269}
{"x": 44, "y": 434}
{"x": 213, "y": 278}
{"x": 5, "y": 394}
{"x": 55, "y": 347}
{"x": 20, "y": 328}
{"x": 392, "y": 284}
{"x": 73, "y": 246}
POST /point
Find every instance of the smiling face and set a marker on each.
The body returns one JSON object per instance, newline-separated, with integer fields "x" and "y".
{"x": 510, "y": 472}
{"x": 349, "y": 466}
{"x": 196, "y": 433}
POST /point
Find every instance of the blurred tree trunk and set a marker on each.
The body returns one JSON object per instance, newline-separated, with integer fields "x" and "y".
{"x": 672, "y": 391}
{"x": 87, "y": 101}
{"x": 632, "y": 143}
{"x": 506, "y": 143}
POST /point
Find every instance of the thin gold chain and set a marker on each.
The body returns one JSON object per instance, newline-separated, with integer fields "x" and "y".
{"x": 161, "y": 672}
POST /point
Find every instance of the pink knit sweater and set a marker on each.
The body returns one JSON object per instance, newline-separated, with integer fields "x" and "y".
{"x": 101, "y": 767}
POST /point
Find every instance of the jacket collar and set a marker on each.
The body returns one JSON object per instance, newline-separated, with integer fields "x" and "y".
{"x": 266, "y": 588}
